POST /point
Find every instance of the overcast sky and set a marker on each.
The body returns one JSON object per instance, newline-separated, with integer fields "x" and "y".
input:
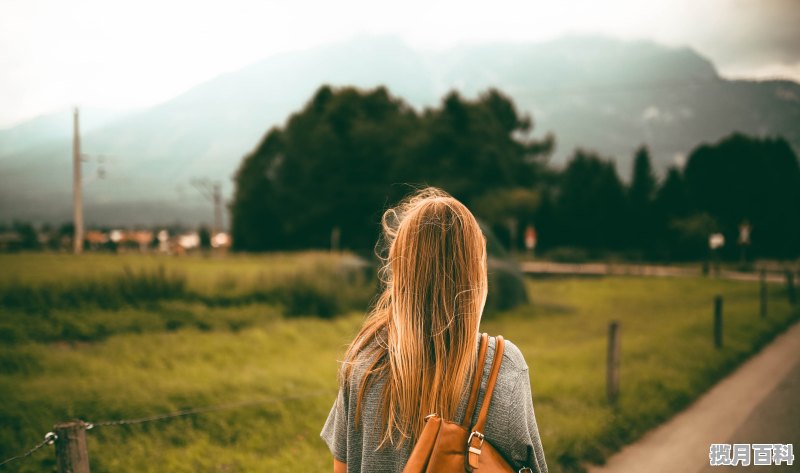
{"x": 119, "y": 55}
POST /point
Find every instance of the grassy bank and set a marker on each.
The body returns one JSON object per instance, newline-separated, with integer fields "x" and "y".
{"x": 253, "y": 352}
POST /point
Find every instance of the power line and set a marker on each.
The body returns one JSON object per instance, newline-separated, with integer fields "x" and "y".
{"x": 213, "y": 192}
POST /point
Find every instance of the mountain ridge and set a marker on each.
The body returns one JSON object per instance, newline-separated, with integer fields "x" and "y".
{"x": 591, "y": 92}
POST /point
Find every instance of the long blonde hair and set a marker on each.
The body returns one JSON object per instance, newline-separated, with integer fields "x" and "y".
{"x": 420, "y": 336}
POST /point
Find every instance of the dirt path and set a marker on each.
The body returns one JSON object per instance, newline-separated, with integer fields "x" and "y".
{"x": 754, "y": 404}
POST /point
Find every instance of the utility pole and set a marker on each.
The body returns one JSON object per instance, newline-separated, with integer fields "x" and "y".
{"x": 217, "y": 195}
{"x": 77, "y": 200}
{"x": 213, "y": 192}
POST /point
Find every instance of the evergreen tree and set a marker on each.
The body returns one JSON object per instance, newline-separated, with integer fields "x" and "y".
{"x": 349, "y": 153}
{"x": 591, "y": 204}
{"x": 754, "y": 179}
{"x": 641, "y": 229}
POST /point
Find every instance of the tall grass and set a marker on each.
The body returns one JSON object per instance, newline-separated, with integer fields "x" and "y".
{"x": 128, "y": 288}
{"x": 150, "y": 298}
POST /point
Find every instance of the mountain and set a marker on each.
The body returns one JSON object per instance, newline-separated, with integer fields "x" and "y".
{"x": 50, "y": 128}
{"x": 591, "y": 92}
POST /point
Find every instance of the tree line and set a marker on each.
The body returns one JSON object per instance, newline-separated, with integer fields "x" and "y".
{"x": 335, "y": 165}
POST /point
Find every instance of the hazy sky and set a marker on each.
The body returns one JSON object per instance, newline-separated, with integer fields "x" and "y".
{"x": 113, "y": 54}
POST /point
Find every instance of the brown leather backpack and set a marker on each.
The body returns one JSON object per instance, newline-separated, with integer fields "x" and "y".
{"x": 445, "y": 446}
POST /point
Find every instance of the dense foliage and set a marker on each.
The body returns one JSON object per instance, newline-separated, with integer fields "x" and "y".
{"x": 349, "y": 154}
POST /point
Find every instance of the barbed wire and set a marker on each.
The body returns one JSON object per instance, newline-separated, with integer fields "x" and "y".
{"x": 201, "y": 410}
{"x": 49, "y": 438}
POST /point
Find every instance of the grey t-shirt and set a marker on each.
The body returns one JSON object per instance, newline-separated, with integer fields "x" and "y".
{"x": 510, "y": 425}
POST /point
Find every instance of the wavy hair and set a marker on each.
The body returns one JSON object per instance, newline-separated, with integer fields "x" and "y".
{"x": 420, "y": 334}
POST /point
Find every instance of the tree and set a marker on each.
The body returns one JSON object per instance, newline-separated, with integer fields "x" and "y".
{"x": 255, "y": 209}
{"x": 204, "y": 234}
{"x": 348, "y": 152}
{"x": 326, "y": 168}
{"x": 591, "y": 204}
{"x": 27, "y": 234}
{"x": 503, "y": 207}
{"x": 671, "y": 198}
{"x": 671, "y": 203}
{"x": 744, "y": 178}
{"x": 691, "y": 234}
{"x": 641, "y": 226}
{"x": 472, "y": 147}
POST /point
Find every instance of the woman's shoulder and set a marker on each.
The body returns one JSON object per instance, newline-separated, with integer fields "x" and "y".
{"x": 364, "y": 360}
{"x": 509, "y": 388}
{"x": 512, "y": 355}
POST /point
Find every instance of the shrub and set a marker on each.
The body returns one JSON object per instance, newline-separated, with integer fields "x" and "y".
{"x": 506, "y": 286}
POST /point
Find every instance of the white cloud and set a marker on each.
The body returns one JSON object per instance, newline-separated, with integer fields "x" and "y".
{"x": 655, "y": 114}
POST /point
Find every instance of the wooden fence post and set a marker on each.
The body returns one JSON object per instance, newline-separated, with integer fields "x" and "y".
{"x": 72, "y": 456}
{"x": 763, "y": 278}
{"x": 790, "y": 287}
{"x": 612, "y": 362}
{"x": 718, "y": 321}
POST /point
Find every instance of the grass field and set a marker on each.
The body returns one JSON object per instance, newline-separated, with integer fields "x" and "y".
{"x": 251, "y": 351}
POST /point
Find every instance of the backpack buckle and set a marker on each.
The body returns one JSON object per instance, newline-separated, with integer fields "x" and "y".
{"x": 480, "y": 436}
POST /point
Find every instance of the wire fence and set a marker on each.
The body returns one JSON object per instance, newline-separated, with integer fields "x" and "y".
{"x": 51, "y": 437}
{"x": 612, "y": 383}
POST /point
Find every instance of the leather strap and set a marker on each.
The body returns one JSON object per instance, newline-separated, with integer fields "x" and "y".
{"x": 476, "y": 382}
{"x": 475, "y": 441}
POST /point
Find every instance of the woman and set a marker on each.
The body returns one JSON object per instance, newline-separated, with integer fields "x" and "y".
{"x": 418, "y": 347}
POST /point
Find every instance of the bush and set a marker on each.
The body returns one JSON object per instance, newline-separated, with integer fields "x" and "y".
{"x": 506, "y": 286}
{"x": 325, "y": 291}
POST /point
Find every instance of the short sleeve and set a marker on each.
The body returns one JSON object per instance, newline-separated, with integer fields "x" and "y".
{"x": 334, "y": 432}
{"x": 526, "y": 444}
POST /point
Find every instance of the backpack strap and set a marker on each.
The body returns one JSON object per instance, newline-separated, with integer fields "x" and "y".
{"x": 476, "y": 382}
{"x": 475, "y": 440}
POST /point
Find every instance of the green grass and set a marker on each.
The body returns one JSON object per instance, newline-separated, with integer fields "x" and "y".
{"x": 230, "y": 275}
{"x": 221, "y": 355}
{"x": 44, "y": 296}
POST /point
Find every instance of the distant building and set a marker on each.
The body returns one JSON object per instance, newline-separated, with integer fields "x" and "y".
{"x": 10, "y": 241}
{"x": 142, "y": 238}
{"x": 96, "y": 239}
{"x": 221, "y": 240}
{"x": 189, "y": 241}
